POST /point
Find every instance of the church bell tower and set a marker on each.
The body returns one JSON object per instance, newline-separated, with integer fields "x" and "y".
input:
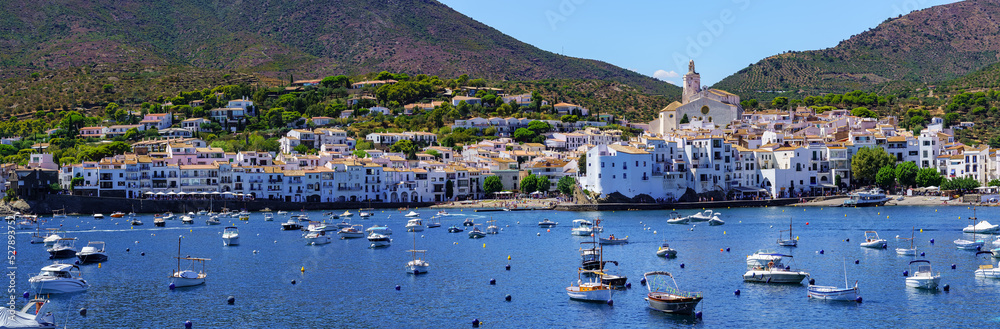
{"x": 692, "y": 84}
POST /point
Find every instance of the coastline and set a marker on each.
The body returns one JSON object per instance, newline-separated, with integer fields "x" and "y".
{"x": 84, "y": 205}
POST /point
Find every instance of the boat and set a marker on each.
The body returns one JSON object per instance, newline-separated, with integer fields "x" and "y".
{"x": 168, "y": 215}
{"x": 923, "y": 278}
{"x": 33, "y": 315}
{"x": 347, "y": 214}
{"x": 318, "y": 226}
{"x": 62, "y": 248}
{"x": 847, "y": 293}
{"x": 547, "y": 223}
{"x": 300, "y": 217}
{"x": 158, "y": 221}
{"x": 873, "y": 197}
{"x": 365, "y": 214}
{"x": 417, "y": 264}
{"x": 378, "y": 240}
{"x": 715, "y": 221}
{"x": 214, "y": 220}
{"x": 612, "y": 240}
{"x": 52, "y": 237}
{"x": 433, "y": 222}
{"x": 676, "y": 218}
{"x": 136, "y": 222}
{"x": 291, "y": 224}
{"x": 774, "y": 271}
{"x": 268, "y": 217}
{"x": 202, "y": 212}
{"x": 282, "y": 212}
{"x": 476, "y": 233}
{"x": 412, "y": 214}
{"x": 187, "y": 277}
{"x": 790, "y": 242}
{"x": 666, "y": 251}
{"x": 414, "y": 225}
{"x": 98, "y": 216}
{"x": 187, "y": 220}
{"x": 231, "y": 236}
{"x": 974, "y": 244}
{"x": 353, "y": 232}
{"x": 40, "y": 236}
{"x": 982, "y": 227}
{"x": 92, "y": 253}
{"x": 590, "y": 255}
{"x": 244, "y": 217}
{"x": 455, "y": 229}
{"x": 592, "y": 290}
{"x": 582, "y": 227}
{"x": 491, "y": 227}
{"x": 58, "y": 279}
{"x": 987, "y": 271}
{"x": 117, "y": 214}
{"x": 443, "y": 213}
{"x": 911, "y": 251}
{"x": 703, "y": 216}
{"x": 315, "y": 238}
{"x": 873, "y": 241}
{"x": 468, "y": 222}
{"x": 384, "y": 230}
{"x": 663, "y": 298}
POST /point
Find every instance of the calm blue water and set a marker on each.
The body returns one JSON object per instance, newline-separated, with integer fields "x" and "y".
{"x": 345, "y": 284}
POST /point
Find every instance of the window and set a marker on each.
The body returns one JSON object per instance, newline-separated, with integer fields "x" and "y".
{"x": 602, "y": 164}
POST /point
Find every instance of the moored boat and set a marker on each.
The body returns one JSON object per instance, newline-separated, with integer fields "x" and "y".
{"x": 924, "y": 277}
{"x": 491, "y": 227}
{"x": 92, "y": 253}
{"x": 476, "y": 233}
{"x": 291, "y": 225}
{"x": 703, "y": 216}
{"x": 911, "y": 251}
{"x": 582, "y": 227}
{"x": 774, "y": 271}
{"x": 547, "y": 223}
{"x": 63, "y": 248}
{"x": 378, "y": 240}
{"x": 188, "y": 277}
{"x": 468, "y": 222}
{"x": 666, "y": 251}
{"x": 455, "y": 229}
{"x": 415, "y": 225}
{"x": 268, "y": 217}
{"x": 158, "y": 221}
{"x": 33, "y": 315}
{"x": 353, "y": 232}
{"x": 591, "y": 290}
{"x": 715, "y": 221}
{"x": 873, "y": 241}
{"x": 987, "y": 271}
{"x": 380, "y": 229}
{"x": 412, "y": 214}
{"x": 873, "y": 197}
{"x": 790, "y": 242}
{"x": 231, "y": 236}
{"x": 315, "y": 238}
{"x": 663, "y": 298}
{"x": 117, "y": 214}
{"x": 58, "y": 279}
{"x": 612, "y": 240}
{"x": 847, "y": 293}
{"x": 187, "y": 220}
{"x": 982, "y": 227}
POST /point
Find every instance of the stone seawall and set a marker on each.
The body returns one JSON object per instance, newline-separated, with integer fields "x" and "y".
{"x": 679, "y": 205}
{"x": 75, "y": 204}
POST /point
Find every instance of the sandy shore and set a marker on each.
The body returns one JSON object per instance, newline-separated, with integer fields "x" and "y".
{"x": 907, "y": 201}
{"x": 519, "y": 203}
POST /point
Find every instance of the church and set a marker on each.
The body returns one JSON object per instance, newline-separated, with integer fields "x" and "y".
{"x": 712, "y": 106}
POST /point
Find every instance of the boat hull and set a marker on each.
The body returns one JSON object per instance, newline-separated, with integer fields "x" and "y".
{"x": 929, "y": 283}
{"x": 476, "y": 235}
{"x": 992, "y": 273}
{"x": 231, "y": 241}
{"x": 58, "y": 286}
{"x": 318, "y": 241}
{"x": 415, "y": 228}
{"x": 91, "y": 258}
{"x": 788, "y": 243}
{"x": 613, "y": 241}
{"x": 418, "y": 268}
{"x": 186, "y": 282}
{"x": 765, "y": 276}
{"x": 668, "y": 253}
{"x": 833, "y": 293}
{"x": 581, "y": 232}
{"x": 379, "y": 243}
{"x": 351, "y": 235}
{"x": 62, "y": 253}
{"x": 906, "y": 252}
{"x": 968, "y": 245}
{"x": 593, "y": 295}
{"x": 671, "y": 303}
{"x": 879, "y": 244}
{"x": 292, "y": 227}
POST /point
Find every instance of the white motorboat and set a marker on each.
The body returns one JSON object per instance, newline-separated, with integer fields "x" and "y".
{"x": 924, "y": 277}
{"x": 790, "y": 242}
{"x": 347, "y": 214}
{"x": 231, "y": 236}
{"x": 592, "y": 289}
{"x": 62, "y": 248}
{"x": 365, "y": 214}
{"x": 443, "y": 213}
{"x": 268, "y": 217}
{"x": 300, "y": 217}
{"x": 39, "y": 235}
{"x": 433, "y": 222}
{"x": 291, "y": 225}
{"x": 98, "y": 216}
{"x": 417, "y": 264}
{"x": 282, "y": 212}
{"x": 703, "y": 216}
{"x": 982, "y": 227}
{"x": 847, "y": 293}
{"x": 214, "y": 220}
{"x": 775, "y": 271}
{"x": 412, "y": 214}
{"x": 343, "y": 224}
{"x": 476, "y": 233}
{"x": 996, "y": 243}
{"x": 911, "y": 251}
{"x": 168, "y": 216}
{"x": 676, "y": 218}
{"x": 988, "y": 271}
{"x": 378, "y": 240}
{"x": 92, "y": 253}
{"x": 666, "y": 251}
{"x": 873, "y": 241}
{"x": 51, "y": 237}
{"x": 547, "y": 223}
{"x": 491, "y": 227}
{"x": 414, "y": 225}
{"x": 384, "y": 230}
{"x": 187, "y": 220}
{"x": 974, "y": 244}
{"x": 582, "y": 227}
{"x": 188, "y": 277}
{"x": 353, "y": 232}
{"x": 158, "y": 221}
{"x": 612, "y": 240}
{"x": 319, "y": 226}
{"x": 715, "y": 221}
{"x": 315, "y": 238}
{"x": 873, "y": 197}
{"x": 33, "y": 315}
{"x": 468, "y": 222}
{"x": 58, "y": 279}
{"x": 663, "y": 298}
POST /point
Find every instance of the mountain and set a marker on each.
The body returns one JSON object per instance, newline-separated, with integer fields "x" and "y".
{"x": 916, "y": 50}
{"x": 282, "y": 39}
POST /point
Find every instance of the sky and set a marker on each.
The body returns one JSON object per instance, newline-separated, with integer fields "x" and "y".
{"x": 658, "y": 37}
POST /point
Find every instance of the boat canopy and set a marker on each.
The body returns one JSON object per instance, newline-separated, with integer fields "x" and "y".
{"x": 920, "y": 261}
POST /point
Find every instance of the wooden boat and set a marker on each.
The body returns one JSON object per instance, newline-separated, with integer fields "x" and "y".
{"x": 790, "y": 242}
{"x": 663, "y": 298}
{"x": 187, "y": 277}
{"x": 158, "y": 221}
{"x": 592, "y": 290}
{"x": 847, "y": 293}
{"x": 612, "y": 240}
{"x": 911, "y": 251}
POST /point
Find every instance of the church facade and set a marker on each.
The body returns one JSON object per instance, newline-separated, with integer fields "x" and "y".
{"x": 713, "y": 106}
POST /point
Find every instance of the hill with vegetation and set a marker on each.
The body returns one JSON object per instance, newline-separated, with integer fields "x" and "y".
{"x": 285, "y": 40}
{"x": 909, "y": 52}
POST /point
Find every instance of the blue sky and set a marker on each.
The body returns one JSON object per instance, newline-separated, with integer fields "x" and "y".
{"x": 658, "y": 37}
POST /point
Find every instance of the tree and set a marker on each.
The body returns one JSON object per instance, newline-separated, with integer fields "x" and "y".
{"x": 928, "y": 177}
{"x": 906, "y": 173}
{"x": 565, "y": 185}
{"x": 301, "y": 149}
{"x": 994, "y": 182}
{"x": 360, "y": 153}
{"x": 685, "y": 119}
{"x": 542, "y": 184}
{"x": 539, "y": 127}
{"x": 336, "y": 81}
{"x": 434, "y": 153}
{"x": 449, "y": 189}
{"x": 404, "y": 146}
{"x": 569, "y": 118}
{"x": 866, "y": 163}
{"x": 7, "y": 150}
{"x": 492, "y": 184}
{"x": 863, "y": 112}
{"x": 529, "y": 184}
{"x": 885, "y": 177}
{"x": 837, "y": 180}
{"x": 581, "y": 164}
{"x": 108, "y": 88}
{"x": 524, "y": 135}
{"x": 132, "y": 134}
{"x": 960, "y": 183}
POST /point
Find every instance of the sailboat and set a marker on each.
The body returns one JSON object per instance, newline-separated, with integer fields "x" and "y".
{"x": 974, "y": 244}
{"x": 418, "y": 264}
{"x": 188, "y": 277}
{"x": 847, "y": 293}
{"x": 907, "y": 251}
{"x": 790, "y": 242}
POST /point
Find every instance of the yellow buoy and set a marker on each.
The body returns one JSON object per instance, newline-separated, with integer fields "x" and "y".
{"x": 484, "y": 245}
{"x": 796, "y": 238}
{"x": 508, "y": 257}
{"x": 921, "y": 230}
{"x": 886, "y": 216}
{"x": 723, "y": 232}
{"x": 99, "y": 265}
{"x": 880, "y": 213}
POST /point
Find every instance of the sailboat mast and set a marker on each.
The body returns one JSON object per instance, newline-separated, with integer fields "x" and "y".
{"x": 179, "y": 253}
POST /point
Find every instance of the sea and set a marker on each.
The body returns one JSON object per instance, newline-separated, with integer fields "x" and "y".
{"x": 278, "y": 281}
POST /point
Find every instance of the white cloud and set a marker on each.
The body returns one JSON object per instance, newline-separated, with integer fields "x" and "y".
{"x": 664, "y": 75}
